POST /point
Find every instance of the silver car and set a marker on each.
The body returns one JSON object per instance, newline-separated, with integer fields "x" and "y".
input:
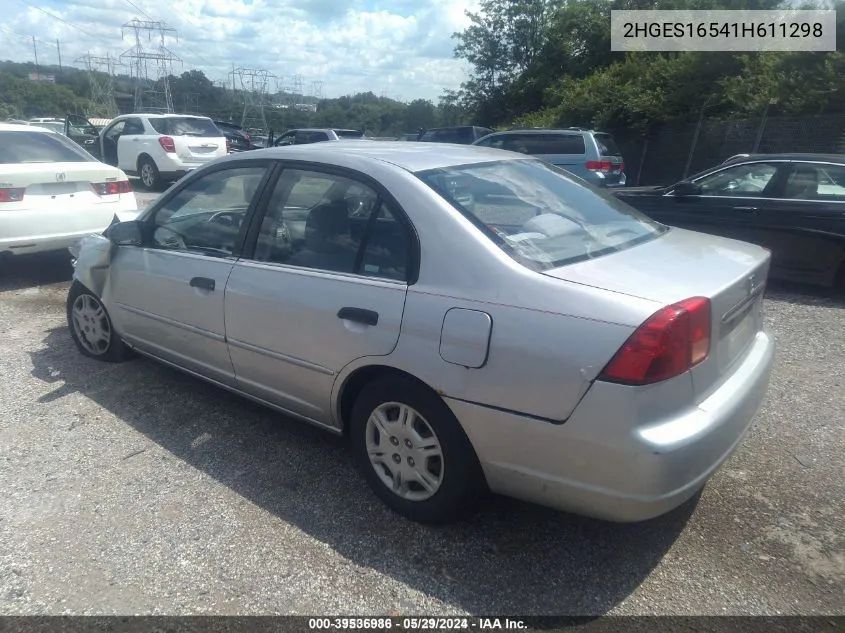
{"x": 470, "y": 318}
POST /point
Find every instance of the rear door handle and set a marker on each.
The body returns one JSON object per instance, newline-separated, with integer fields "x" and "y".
{"x": 359, "y": 315}
{"x": 202, "y": 282}
{"x": 747, "y": 209}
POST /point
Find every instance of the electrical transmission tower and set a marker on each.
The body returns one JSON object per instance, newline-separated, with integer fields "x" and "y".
{"x": 254, "y": 84}
{"x": 317, "y": 90}
{"x": 296, "y": 90}
{"x": 151, "y": 66}
{"x": 101, "y": 72}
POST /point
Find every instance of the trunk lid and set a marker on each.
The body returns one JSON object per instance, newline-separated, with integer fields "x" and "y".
{"x": 65, "y": 185}
{"x": 196, "y": 149}
{"x": 681, "y": 264}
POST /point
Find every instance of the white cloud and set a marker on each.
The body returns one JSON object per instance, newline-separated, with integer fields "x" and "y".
{"x": 401, "y": 47}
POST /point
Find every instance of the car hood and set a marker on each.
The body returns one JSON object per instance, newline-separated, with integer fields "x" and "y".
{"x": 674, "y": 266}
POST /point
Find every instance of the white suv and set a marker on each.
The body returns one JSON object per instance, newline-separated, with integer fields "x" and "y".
{"x": 159, "y": 148}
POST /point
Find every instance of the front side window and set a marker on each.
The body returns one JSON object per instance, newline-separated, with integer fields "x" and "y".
{"x": 133, "y": 126}
{"x": 207, "y": 215}
{"x": 332, "y": 223}
{"x": 115, "y": 130}
{"x": 539, "y": 214}
{"x": 39, "y": 147}
{"x": 749, "y": 179}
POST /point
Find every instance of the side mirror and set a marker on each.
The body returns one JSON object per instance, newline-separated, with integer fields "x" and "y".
{"x": 126, "y": 233}
{"x": 686, "y": 188}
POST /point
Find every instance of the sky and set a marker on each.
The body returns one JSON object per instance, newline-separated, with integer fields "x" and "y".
{"x": 402, "y": 49}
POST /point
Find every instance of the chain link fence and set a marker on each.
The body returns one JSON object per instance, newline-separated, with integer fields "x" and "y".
{"x": 670, "y": 152}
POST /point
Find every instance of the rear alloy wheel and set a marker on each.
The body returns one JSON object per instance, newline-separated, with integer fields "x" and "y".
{"x": 413, "y": 451}
{"x": 91, "y": 327}
{"x": 149, "y": 174}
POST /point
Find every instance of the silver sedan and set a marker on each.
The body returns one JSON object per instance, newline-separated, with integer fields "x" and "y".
{"x": 472, "y": 320}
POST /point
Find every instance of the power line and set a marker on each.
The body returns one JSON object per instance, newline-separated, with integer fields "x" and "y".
{"x": 63, "y": 21}
{"x": 28, "y": 38}
{"x": 149, "y": 17}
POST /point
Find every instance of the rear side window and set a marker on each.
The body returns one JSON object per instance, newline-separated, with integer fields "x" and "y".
{"x": 39, "y": 147}
{"x": 542, "y": 144}
{"x": 607, "y": 146}
{"x": 349, "y": 133}
{"x": 177, "y": 126}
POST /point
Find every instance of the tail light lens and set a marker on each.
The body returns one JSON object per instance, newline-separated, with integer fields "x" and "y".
{"x": 12, "y": 195}
{"x": 167, "y": 144}
{"x": 111, "y": 188}
{"x": 672, "y": 341}
{"x": 228, "y": 146}
{"x": 599, "y": 165}
{"x": 621, "y": 166}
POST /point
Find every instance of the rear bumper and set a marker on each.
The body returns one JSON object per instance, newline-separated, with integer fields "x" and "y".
{"x": 29, "y": 231}
{"x": 604, "y": 462}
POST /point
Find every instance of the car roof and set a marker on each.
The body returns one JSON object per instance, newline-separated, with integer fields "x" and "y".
{"x": 18, "y": 127}
{"x": 836, "y": 158}
{"x": 412, "y": 157}
{"x": 153, "y": 115}
{"x": 543, "y": 130}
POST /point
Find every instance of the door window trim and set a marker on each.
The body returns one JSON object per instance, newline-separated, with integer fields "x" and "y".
{"x": 671, "y": 190}
{"x": 250, "y": 239}
{"x": 147, "y": 218}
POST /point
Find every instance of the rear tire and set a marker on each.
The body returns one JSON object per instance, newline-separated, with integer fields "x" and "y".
{"x": 91, "y": 328}
{"x": 413, "y": 452}
{"x": 149, "y": 174}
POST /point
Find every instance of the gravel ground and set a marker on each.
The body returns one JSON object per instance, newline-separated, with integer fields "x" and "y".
{"x": 134, "y": 489}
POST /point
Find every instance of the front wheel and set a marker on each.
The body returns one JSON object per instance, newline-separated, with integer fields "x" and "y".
{"x": 413, "y": 451}
{"x": 91, "y": 327}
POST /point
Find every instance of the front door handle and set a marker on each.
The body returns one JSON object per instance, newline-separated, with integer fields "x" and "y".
{"x": 203, "y": 283}
{"x": 359, "y": 315}
{"x": 746, "y": 209}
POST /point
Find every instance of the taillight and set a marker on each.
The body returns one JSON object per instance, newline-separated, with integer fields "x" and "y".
{"x": 111, "y": 188}
{"x": 621, "y": 166}
{"x": 167, "y": 144}
{"x": 599, "y": 165}
{"x": 228, "y": 146}
{"x": 672, "y": 341}
{"x": 12, "y": 195}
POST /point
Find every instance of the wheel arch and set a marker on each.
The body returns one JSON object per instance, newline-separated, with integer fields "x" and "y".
{"x": 351, "y": 386}
{"x": 141, "y": 157}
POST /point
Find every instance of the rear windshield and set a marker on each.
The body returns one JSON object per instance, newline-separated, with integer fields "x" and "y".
{"x": 349, "y": 133}
{"x": 460, "y": 135}
{"x": 39, "y": 147}
{"x": 607, "y": 146}
{"x": 538, "y": 213}
{"x": 177, "y": 126}
{"x": 543, "y": 144}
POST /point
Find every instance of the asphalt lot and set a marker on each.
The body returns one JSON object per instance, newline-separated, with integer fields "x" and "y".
{"x": 134, "y": 489}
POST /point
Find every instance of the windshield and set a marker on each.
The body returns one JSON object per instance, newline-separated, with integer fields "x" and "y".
{"x": 39, "y": 147}
{"x": 187, "y": 126}
{"x": 538, "y": 213}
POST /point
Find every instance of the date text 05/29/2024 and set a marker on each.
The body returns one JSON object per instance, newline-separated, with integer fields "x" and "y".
{"x": 415, "y": 624}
